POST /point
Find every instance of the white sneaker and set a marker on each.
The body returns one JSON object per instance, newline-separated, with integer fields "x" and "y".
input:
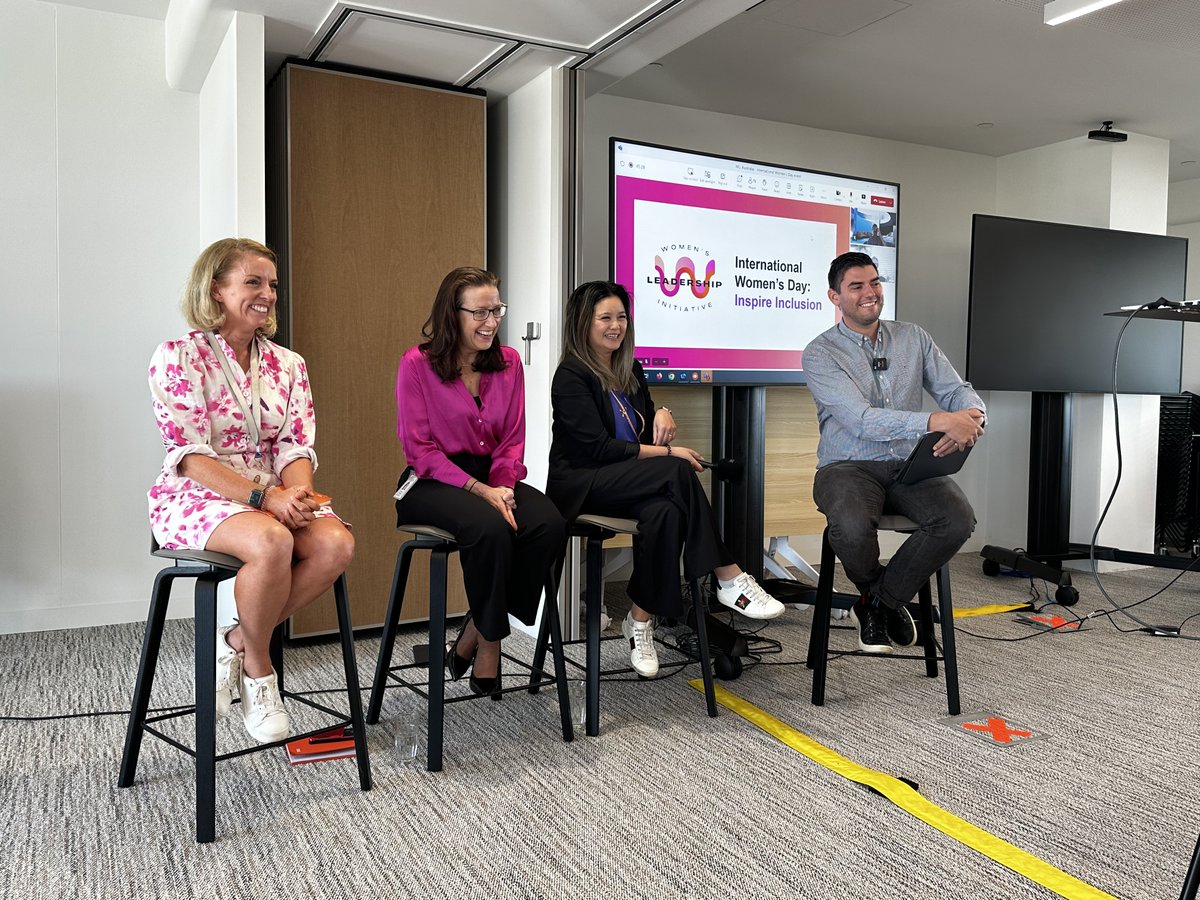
{"x": 229, "y": 670}
{"x": 642, "y": 654}
{"x": 262, "y": 708}
{"x": 605, "y": 619}
{"x": 748, "y": 597}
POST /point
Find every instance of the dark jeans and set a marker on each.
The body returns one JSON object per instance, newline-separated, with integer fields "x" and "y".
{"x": 853, "y": 495}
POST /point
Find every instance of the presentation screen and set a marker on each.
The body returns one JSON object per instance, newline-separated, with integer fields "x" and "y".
{"x": 726, "y": 259}
{"x": 1039, "y": 294}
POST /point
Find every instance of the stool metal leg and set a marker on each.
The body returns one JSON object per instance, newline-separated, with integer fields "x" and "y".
{"x": 929, "y": 639}
{"x": 341, "y": 600}
{"x": 387, "y": 642}
{"x": 1191, "y": 883}
{"x": 818, "y": 644}
{"x": 206, "y": 708}
{"x": 538, "y": 663}
{"x": 949, "y": 651}
{"x": 550, "y": 621}
{"x": 595, "y": 600}
{"x": 151, "y": 642}
{"x": 437, "y": 654}
{"x": 698, "y": 606}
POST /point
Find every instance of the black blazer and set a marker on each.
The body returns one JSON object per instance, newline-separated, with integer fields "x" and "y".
{"x": 583, "y": 432}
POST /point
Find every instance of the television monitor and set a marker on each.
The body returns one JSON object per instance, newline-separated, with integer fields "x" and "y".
{"x": 1038, "y": 297}
{"x": 725, "y": 259}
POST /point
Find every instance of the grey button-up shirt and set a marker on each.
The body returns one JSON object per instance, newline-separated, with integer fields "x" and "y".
{"x": 870, "y": 413}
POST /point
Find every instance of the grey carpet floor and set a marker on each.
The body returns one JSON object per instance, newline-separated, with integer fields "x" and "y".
{"x": 665, "y": 803}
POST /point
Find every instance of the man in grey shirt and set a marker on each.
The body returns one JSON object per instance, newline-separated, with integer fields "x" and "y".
{"x": 867, "y": 377}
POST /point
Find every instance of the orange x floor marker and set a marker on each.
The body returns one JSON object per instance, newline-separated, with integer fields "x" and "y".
{"x": 1054, "y": 621}
{"x": 998, "y": 729}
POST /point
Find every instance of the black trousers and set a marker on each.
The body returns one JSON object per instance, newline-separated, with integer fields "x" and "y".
{"x": 674, "y": 518}
{"x": 504, "y": 571}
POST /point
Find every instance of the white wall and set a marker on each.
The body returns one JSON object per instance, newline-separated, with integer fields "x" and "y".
{"x": 940, "y": 190}
{"x": 232, "y": 136}
{"x": 99, "y": 182}
{"x": 30, "y": 539}
{"x": 526, "y": 226}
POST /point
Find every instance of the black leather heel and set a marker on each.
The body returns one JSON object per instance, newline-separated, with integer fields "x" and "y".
{"x": 489, "y": 686}
{"x": 456, "y": 665}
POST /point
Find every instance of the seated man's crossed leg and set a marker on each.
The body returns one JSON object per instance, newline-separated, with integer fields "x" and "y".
{"x": 853, "y": 495}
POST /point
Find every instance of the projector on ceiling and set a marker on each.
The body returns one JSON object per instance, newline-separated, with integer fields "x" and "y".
{"x": 1105, "y": 133}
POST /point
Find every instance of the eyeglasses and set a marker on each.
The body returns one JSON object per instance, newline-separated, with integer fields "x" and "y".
{"x": 480, "y": 315}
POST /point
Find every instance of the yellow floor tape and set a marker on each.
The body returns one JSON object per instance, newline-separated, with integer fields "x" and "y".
{"x": 989, "y": 609}
{"x": 912, "y": 802}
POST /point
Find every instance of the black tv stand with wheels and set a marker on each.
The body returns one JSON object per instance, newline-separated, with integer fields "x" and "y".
{"x": 1048, "y": 525}
{"x": 996, "y": 557}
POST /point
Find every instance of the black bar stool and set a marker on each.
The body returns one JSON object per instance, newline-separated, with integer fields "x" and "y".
{"x": 595, "y": 530}
{"x": 210, "y": 569}
{"x": 818, "y": 644}
{"x": 441, "y": 544}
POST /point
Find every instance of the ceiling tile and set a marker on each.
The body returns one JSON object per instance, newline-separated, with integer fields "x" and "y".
{"x": 412, "y": 49}
{"x": 522, "y": 67}
{"x": 555, "y": 22}
{"x": 832, "y": 17}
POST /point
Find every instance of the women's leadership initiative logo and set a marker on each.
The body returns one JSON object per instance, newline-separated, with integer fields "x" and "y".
{"x": 684, "y": 275}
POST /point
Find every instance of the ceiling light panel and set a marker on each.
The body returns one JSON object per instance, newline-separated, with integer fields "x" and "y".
{"x": 1056, "y": 12}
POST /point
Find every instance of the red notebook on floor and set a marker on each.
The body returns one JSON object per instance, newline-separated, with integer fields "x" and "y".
{"x": 335, "y": 744}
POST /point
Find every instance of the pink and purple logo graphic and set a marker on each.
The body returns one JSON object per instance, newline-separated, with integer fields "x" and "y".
{"x": 685, "y": 274}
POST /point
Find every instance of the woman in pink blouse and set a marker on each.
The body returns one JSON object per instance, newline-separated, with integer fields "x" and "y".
{"x": 236, "y": 418}
{"x": 460, "y": 398}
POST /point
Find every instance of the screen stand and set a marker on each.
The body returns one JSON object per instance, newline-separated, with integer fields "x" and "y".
{"x": 1048, "y": 528}
{"x": 740, "y": 434}
{"x": 1049, "y": 519}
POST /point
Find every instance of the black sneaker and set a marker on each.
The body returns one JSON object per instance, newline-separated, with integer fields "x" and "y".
{"x": 901, "y": 629}
{"x": 871, "y": 622}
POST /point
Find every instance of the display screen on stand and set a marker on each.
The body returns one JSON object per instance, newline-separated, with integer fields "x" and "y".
{"x": 726, "y": 259}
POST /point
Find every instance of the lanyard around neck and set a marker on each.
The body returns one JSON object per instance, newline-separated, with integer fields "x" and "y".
{"x": 625, "y": 414}
{"x": 251, "y": 413}
{"x": 879, "y": 394}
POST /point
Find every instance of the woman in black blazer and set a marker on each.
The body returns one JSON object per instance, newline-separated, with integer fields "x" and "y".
{"x": 612, "y": 455}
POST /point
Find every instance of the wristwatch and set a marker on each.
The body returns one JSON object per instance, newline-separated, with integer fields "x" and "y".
{"x": 256, "y": 498}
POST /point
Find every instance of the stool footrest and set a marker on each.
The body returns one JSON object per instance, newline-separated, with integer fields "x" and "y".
{"x": 825, "y": 599}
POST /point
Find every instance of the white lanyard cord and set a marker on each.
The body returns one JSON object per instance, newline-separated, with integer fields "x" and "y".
{"x": 251, "y": 415}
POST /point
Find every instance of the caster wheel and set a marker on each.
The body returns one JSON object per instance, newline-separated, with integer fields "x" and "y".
{"x": 991, "y": 568}
{"x": 1066, "y": 595}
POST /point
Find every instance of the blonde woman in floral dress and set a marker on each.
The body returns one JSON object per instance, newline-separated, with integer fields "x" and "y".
{"x": 236, "y": 418}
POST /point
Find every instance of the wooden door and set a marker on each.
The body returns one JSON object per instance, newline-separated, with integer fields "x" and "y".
{"x": 384, "y": 194}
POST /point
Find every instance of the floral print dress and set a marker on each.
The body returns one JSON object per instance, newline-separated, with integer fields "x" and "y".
{"x": 197, "y": 413}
